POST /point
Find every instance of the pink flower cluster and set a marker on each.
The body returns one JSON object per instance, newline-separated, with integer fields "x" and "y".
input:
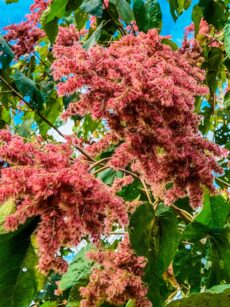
{"x": 116, "y": 279}
{"x": 46, "y": 182}
{"x": 27, "y": 33}
{"x": 204, "y": 31}
{"x": 145, "y": 91}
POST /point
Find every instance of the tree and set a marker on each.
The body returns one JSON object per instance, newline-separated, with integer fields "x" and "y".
{"x": 132, "y": 208}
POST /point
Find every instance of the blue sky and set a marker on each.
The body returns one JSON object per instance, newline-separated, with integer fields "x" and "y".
{"x": 15, "y": 12}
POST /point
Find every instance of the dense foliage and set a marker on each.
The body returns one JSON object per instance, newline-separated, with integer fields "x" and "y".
{"x": 131, "y": 208}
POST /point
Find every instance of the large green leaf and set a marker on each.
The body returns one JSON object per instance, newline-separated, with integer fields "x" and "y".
{"x": 51, "y": 29}
{"x": 124, "y": 10}
{"x": 153, "y": 14}
{"x": 28, "y": 88}
{"x": 213, "y": 64}
{"x": 139, "y": 13}
{"x": 78, "y": 271}
{"x": 212, "y": 217}
{"x": 148, "y": 238}
{"x": 57, "y": 9}
{"x": 177, "y": 7}
{"x": 6, "y": 54}
{"x": 168, "y": 244}
{"x": 143, "y": 237}
{"x": 93, "y": 7}
{"x": 147, "y": 14}
{"x": 80, "y": 18}
{"x": 214, "y": 12}
{"x": 18, "y": 277}
{"x": 197, "y": 15}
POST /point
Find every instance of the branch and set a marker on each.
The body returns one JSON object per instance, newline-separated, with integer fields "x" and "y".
{"x": 98, "y": 163}
{"x": 182, "y": 213}
{"x": 222, "y": 181}
{"x": 17, "y": 94}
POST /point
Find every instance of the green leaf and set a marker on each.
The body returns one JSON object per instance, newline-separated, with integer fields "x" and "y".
{"x": 149, "y": 236}
{"x": 6, "y": 54}
{"x": 51, "y": 29}
{"x": 177, "y": 7}
{"x": 227, "y": 100}
{"x": 214, "y": 12}
{"x": 204, "y": 299}
{"x": 143, "y": 237}
{"x": 227, "y": 38}
{"x": 197, "y": 15}
{"x": 188, "y": 266}
{"x": 18, "y": 278}
{"x": 74, "y": 298}
{"x": 153, "y": 14}
{"x": 170, "y": 43}
{"x": 139, "y": 13}
{"x": 212, "y": 217}
{"x": 124, "y": 10}
{"x": 28, "y": 88}
{"x": 94, "y": 37}
{"x": 219, "y": 288}
{"x": 80, "y": 18}
{"x": 6, "y": 208}
{"x": 148, "y": 15}
{"x": 50, "y": 304}
{"x": 131, "y": 303}
{"x": 140, "y": 229}
{"x": 10, "y": 1}
{"x": 78, "y": 271}
{"x": 168, "y": 244}
{"x": 219, "y": 257}
{"x": 215, "y": 212}
{"x": 57, "y": 9}
{"x": 93, "y": 7}
{"x": 213, "y": 62}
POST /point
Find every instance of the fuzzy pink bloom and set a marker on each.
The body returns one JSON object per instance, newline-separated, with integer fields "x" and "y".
{"x": 27, "y": 33}
{"x": 117, "y": 279}
{"x": 119, "y": 183}
{"x": 46, "y": 182}
{"x": 145, "y": 91}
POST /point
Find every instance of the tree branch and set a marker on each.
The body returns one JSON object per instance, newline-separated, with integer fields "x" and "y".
{"x": 17, "y": 94}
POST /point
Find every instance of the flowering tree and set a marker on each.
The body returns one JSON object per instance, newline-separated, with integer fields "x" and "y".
{"x": 131, "y": 208}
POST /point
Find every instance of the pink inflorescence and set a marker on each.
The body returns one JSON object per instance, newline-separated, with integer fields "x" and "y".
{"x": 46, "y": 182}
{"x": 26, "y": 34}
{"x": 145, "y": 91}
{"x": 116, "y": 279}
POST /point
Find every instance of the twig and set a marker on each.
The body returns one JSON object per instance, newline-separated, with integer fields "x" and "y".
{"x": 16, "y": 93}
{"x": 182, "y": 213}
{"x": 98, "y": 163}
{"x": 100, "y": 169}
{"x": 146, "y": 191}
{"x": 222, "y": 181}
{"x": 5, "y": 92}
